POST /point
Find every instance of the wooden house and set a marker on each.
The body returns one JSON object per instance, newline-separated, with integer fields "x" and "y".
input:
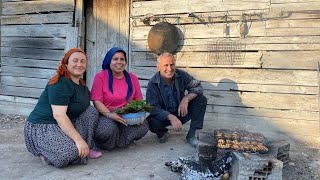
{"x": 257, "y": 59}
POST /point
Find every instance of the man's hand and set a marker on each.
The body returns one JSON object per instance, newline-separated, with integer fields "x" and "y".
{"x": 183, "y": 107}
{"x": 175, "y": 122}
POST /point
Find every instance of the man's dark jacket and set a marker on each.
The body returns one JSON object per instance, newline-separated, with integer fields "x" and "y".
{"x": 156, "y": 95}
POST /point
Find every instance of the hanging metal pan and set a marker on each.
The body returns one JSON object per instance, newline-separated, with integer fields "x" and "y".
{"x": 163, "y": 37}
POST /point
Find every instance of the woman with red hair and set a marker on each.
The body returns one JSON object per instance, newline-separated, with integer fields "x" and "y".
{"x": 60, "y": 129}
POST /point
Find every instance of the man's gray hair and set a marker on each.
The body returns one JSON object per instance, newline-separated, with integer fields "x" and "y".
{"x": 165, "y": 54}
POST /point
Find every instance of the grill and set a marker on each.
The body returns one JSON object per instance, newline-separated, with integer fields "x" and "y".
{"x": 242, "y": 141}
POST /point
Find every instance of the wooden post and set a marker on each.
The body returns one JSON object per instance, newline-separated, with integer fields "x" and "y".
{"x": 80, "y": 23}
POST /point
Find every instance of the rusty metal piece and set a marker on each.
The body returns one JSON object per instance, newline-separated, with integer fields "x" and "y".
{"x": 163, "y": 37}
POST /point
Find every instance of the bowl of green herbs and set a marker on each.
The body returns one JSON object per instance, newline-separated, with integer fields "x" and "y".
{"x": 134, "y": 112}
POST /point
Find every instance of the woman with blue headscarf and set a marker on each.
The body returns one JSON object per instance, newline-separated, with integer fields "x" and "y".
{"x": 112, "y": 88}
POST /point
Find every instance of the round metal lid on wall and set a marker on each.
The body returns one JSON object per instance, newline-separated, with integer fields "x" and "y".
{"x": 163, "y": 37}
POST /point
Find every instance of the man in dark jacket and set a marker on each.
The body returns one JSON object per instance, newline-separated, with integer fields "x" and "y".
{"x": 166, "y": 92}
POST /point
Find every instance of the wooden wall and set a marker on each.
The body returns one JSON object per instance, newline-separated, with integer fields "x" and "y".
{"x": 274, "y": 89}
{"x": 34, "y": 36}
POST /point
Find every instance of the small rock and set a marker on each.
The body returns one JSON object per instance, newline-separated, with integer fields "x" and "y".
{"x": 291, "y": 163}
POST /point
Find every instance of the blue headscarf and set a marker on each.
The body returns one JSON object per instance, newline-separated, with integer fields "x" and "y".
{"x": 106, "y": 65}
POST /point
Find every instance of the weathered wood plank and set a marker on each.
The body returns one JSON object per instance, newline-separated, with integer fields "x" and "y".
{"x": 180, "y": 6}
{"x": 20, "y": 91}
{"x": 32, "y": 53}
{"x": 48, "y": 43}
{"x": 91, "y": 39}
{"x": 292, "y": 1}
{"x": 297, "y": 102}
{"x": 63, "y": 17}
{"x": 15, "y": 108}
{"x": 205, "y": 30}
{"x": 72, "y": 38}
{"x": 141, "y": 45}
{"x": 102, "y": 29}
{"x": 24, "y": 82}
{"x": 27, "y": 72}
{"x": 291, "y": 60}
{"x": 233, "y": 16}
{"x": 52, "y": 30}
{"x": 22, "y": 7}
{"x": 243, "y": 76}
{"x": 262, "y": 125}
{"x": 113, "y": 16}
{"x": 124, "y": 25}
{"x": 264, "y": 113}
{"x": 311, "y": 23}
{"x": 20, "y": 100}
{"x": 263, "y": 100}
{"x": 263, "y": 88}
{"x": 20, "y": 62}
{"x": 293, "y": 32}
{"x": 295, "y": 60}
{"x": 298, "y": 6}
{"x": 79, "y": 24}
{"x": 198, "y": 59}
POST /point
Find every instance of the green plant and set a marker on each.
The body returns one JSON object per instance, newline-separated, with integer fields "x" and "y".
{"x": 134, "y": 106}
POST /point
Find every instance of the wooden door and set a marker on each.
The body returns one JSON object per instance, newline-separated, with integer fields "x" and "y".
{"x": 107, "y": 25}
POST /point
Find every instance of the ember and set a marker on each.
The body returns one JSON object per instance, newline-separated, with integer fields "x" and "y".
{"x": 238, "y": 153}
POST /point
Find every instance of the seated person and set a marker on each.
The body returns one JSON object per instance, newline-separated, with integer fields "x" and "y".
{"x": 60, "y": 128}
{"x": 166, "y": 92}
{"x": 112, "y": 88}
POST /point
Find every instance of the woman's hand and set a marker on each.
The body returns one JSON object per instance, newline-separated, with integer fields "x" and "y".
{"x": 83, "y": 148}
{"x": 117, "y": 118}
{"x": 60, "y": 115}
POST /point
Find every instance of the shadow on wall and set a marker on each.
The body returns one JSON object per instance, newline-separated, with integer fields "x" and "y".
{"x": 226, "y": 110}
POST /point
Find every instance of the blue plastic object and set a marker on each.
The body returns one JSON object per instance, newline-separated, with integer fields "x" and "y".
{"x": 134, "y": 118}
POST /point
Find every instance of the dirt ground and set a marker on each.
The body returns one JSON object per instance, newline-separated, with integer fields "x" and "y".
{"x": 143, "y": 160}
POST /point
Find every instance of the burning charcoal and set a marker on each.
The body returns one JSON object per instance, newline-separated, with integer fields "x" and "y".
{"x": 220, "y": 166}
{"x": 192, "y": 170}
